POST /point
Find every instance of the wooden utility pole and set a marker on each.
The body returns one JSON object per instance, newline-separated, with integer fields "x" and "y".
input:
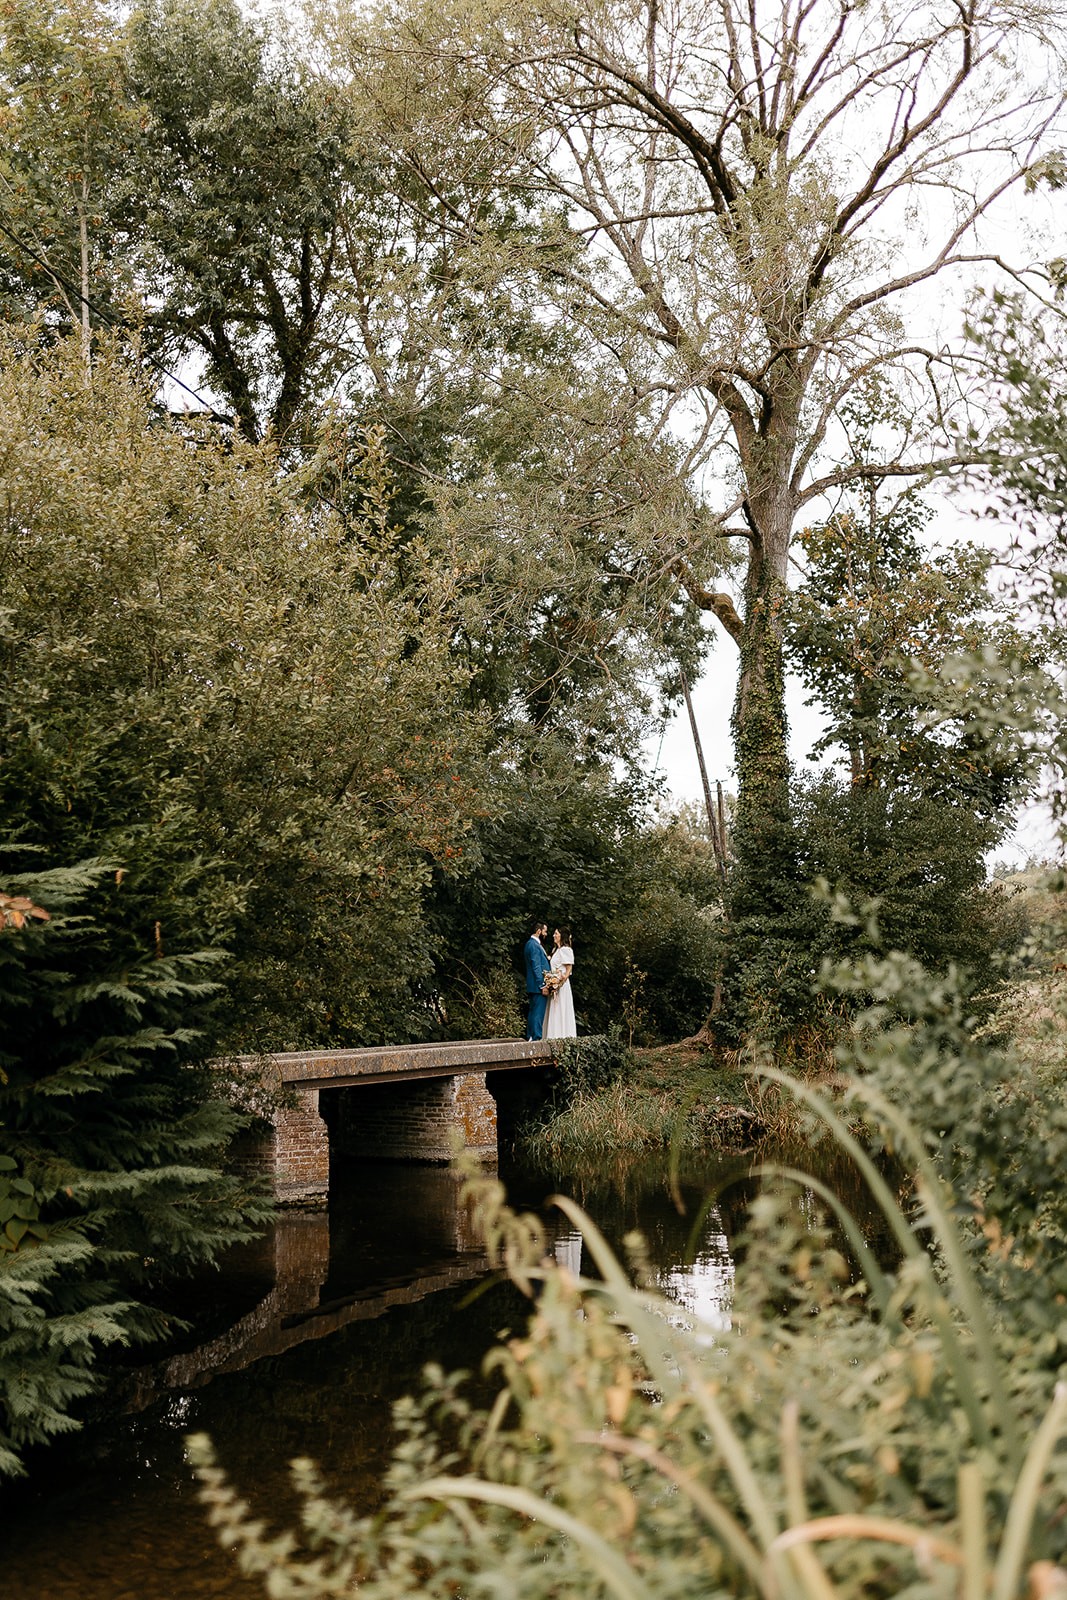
{"x": 718, "y": 835}
{"x": 717, "y": 829}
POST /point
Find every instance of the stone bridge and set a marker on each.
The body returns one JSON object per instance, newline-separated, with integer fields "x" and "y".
{"x": 390, "y": 1103}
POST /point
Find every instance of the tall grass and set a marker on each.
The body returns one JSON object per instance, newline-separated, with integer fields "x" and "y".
{"x": 621, "y": 1119}
{"x": 648, "y": 1111}
{"x": 637, "y": 1455}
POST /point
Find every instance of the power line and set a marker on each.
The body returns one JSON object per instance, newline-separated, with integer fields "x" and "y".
{"x": 110, "y": 321}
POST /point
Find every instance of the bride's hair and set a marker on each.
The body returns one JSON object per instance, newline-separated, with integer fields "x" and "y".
{"x": 564, "y": 935}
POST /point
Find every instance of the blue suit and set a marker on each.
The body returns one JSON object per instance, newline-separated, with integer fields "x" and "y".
{"x": 537, "y": 964}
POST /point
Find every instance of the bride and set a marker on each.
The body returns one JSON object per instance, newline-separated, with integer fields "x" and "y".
{"x": 560, "y": 1024}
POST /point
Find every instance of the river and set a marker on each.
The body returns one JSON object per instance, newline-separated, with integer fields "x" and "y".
{"x": 300, "y": 1346}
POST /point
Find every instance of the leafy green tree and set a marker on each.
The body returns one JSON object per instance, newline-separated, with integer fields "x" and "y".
{"x": 511, "y": 453}
{"x": 190, "y": 646}
{"x": 229, "y": 728}
{"x": 733, "y": 170}
{"x": 874, "y": 628}
{"x": 559, "y": 844}
{"x": 921, "y": 859}
{"x": 569, "y": 842}
{"x": 875, "y": 605}
{"x": 68, "y": 125}
{"x": 244, "y": 163}
{"x": 669, "y": 932}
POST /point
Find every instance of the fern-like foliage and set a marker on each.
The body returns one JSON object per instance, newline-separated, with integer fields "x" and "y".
{"x": 112, "y": 1136}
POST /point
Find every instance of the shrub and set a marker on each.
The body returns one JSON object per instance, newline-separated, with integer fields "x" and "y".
{"x": 199, "y": 657}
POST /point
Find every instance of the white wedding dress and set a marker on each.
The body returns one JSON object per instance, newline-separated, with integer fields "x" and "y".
{"x": 559, "y": 1023}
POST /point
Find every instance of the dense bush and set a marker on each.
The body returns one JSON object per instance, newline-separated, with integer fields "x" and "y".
{"x": 200, "y": 661}
{"x": 584, "y": 1066}
{"x": 669, "y": 934}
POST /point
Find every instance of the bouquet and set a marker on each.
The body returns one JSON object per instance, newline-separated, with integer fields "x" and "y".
{"x": 552, "y": 981}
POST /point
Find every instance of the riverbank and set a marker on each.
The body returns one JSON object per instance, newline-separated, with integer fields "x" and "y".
{"x": 680, "y": 1096}
{"x": 688, "y": 1097}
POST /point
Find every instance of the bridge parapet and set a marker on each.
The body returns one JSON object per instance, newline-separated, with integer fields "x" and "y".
{"x": 335, "y": 1069}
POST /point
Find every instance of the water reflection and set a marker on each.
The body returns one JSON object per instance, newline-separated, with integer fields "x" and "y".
{"x": 301, "y": 1347}
{"x": 567, "y": 1249}
{"x": 705, "y": 1286}
{"x": 686, "y": 1254}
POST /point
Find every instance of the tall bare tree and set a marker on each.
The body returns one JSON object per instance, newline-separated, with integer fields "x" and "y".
{"x": 767, "y": 190}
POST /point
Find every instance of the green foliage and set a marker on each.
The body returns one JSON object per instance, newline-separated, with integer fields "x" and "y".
{"x": 554, "y": 844}
{"x": 883, "y": 631}
{"x": 197, "y": 666}
{"x": 243, "y": 164}
{"x": 567, "y": 840}
{"x": 1025, "y": 475}
{"x": 584, "y": 1066}
{"x": 763, "y": 842}
{"x": 68, "y": 125}
{"x": 53, "y": 1321}
{"x": 876, "y": 617}
{"x": 994, "y": 1124}
{"x": 485, "y": 1006}
{"x": 668, "y": 934}
{"x": 531, "y": 489}
{"x": 112, "y": 1132}
{"x": 672, "y": 1099}
{"x": 920, "y": 858}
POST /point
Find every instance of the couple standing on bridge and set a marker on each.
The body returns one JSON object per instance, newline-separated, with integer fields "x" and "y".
{"x": 548, "y": 985}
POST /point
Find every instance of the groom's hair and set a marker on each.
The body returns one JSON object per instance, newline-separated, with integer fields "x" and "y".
{"x": 538, "y": 922}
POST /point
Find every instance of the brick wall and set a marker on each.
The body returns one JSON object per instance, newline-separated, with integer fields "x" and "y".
{"x": 300, "y": 1154}
{"x": 413, "y": 1121}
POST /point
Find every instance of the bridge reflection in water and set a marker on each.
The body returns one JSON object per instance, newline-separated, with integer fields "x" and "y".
{"x": 395, "y": 1242}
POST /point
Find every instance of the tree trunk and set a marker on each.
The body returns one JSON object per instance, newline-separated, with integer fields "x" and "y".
{"x": 83, "y": 241}
{"x": 763, "y": 840}
{"x": 718, "y": 837}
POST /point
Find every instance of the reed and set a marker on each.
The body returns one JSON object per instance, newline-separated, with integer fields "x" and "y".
{"x": 624, "y": 1118}
{"x": 676, "y": 1098}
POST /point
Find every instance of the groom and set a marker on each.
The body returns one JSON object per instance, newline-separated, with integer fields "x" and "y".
{"x": 537, "y": 964}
